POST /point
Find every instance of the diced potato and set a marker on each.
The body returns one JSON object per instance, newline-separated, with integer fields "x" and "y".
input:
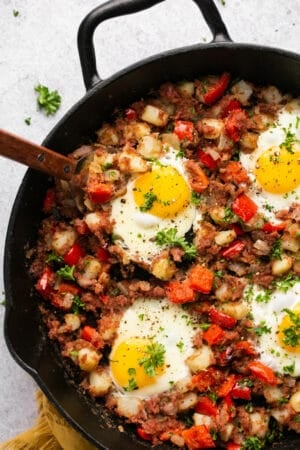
{"x": 186, "y": 88}
{"x": 272, "y": 394}
{"x": 183, "y": 385}
{"x": 128, "y": 406}
{"x": 132, "y": 162}
{"x": 237, "y": 310}
{"x": 90, "y": 270}
{"x": 93, "y": 220}
{"x": 218, "y": 215}
{"x": 292, "y": 244}
{"x": 107, "y": 135}
{"x": 73, "y": 321}
{"x": 282, "y": 415}
{"x": 271, "y": 94}
{"x": 282, "y": 266}
{"x": 88, "y": 359}
{"x": 295, "y": 401}
{"x": 99, "y": 382}
{"x": 188, "y": 401}
{"x": 259, "y": 424}
{"x": 149, "y": 147}
{"x": 202, "y": 419}
{"x": 248, "y": 141}
{"x": 223, "y": 293}
{"x": 136, "y": 130}
{"x": 200, "y": 359}
{"x": 163, "y": 268}
{"x": 224, "y": 238}
{"x": 212, "y": 128}
{"x": 63, "y": 240}
{"x": 226, "y": 432}
{"x": 170, "y": 140}
{"x": 155, "y": 116}
{"x": 242, "y": 91}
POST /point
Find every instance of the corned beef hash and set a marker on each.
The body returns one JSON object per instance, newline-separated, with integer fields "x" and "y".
{"x": 169, "y": 273}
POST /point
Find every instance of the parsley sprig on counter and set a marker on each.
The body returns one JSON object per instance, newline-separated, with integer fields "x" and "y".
{"x": 48, "y": 100}
{"x": 168, "y": 237}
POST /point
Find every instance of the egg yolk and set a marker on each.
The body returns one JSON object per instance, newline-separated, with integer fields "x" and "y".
{"x": 277, "y": 170}
{"x": 289, "y": 330}
{"x": 126, "y": 367}
{"x": 162, "y": 192}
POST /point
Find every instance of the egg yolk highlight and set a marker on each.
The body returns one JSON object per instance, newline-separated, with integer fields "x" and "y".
{"x": 162, "y": 192}
{"x": 277, "y": 170}
{"x": 289, "y": 331}
{"x": 125, "y": 364}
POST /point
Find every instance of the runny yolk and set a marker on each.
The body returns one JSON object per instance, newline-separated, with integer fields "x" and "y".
{"x": 162, "y": 192}
{"x": 125, "y": 364}
{"x": 289, "y": 331}
{"x": 277, "y": 170}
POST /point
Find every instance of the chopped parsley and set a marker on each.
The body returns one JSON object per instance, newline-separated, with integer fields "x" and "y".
{"x": 66, "y": 272}
{"x": 276, "y": 249}
{"x": 292, "y": 334}
{"x": 228, "y": 215}
{"x": 155, "y": 357}
{"x": 289, "y": 369}
{"x": 16, "y": 13}
{"x": 284, "y": 284}
{"x": 180, "y": 346}
{"x": 150, "y": 198}
{"x": 252, "y": 443}
{"x": 49, "y": 101}
{"x": 77, "y": 304}
{"x": 290, "y": 139}
{"x": 27, "y": 120}
{"x": 54, "y": 257}
{"x": 74, "y": 353}
{"x": 262, "y": 328}
{"x": 132, "y": 385}
{"x": 196, "y": 198}
{"x": 168, "y": 237}
{"x": 263, "y": 297}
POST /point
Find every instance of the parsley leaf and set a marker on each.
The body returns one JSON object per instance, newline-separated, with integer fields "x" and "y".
{"x": 66, "y": 272}
{"x": 27, "y": 120}
{"x": 150, "y": 198}
{"x": 284, "y": 284}
{"x": 49, "y": 101}
{"x": 290, "y": 139}
{"x": 252, "y": 443}
{"x": 168, "y": 237}
{"x": 196, "y": 198}
{"x": 16, "y": 13}
{"x": 132, "y": 384}
{"x": 276, "y": 249}
{"x": 155, "y": 358}
{"x": 292, "y": 333}
{"x": 262, "y": 328}
{"x": 77, "y": 304}
{"x": 54, "y": 257}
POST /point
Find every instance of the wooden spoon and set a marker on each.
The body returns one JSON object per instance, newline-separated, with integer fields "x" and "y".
{"x": 37, "y": 156}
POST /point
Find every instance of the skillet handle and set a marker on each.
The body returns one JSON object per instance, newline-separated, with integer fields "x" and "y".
{"x": 112, "y": 8}
{"x": 115, "y": 8}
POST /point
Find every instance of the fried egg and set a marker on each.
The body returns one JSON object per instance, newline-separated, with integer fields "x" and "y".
{"x": 156, "y": 200}
{"x": 274, "y": 166}
{"x": 276, "y": 317}
{"x": 147, "y": 329}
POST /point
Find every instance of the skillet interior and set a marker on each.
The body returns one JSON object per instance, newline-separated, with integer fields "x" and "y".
{"x": 26, "y": 343}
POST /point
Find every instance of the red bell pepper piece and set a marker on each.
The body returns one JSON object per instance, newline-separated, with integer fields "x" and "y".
{"x": 229, "y": 405}
{"x": 216, "y": 91}
{"x": 245, "y": 347}
{"x": 213, "y": 335}
{"x": 222, "y": 319}
{"x": 143, "y": 435}
{"x": 234, "y": 171}
{"x": 49, "y": 201}
{"x": 184, "y": 130}
{"x": 233, "y": 250}
{"x": 63, "y": 288}
{"x": 130, "y": 114}
{"x": 206, "y": 379}
{"x": 207, "y": 160}
{"x": 44, "y": 283}
{"x": 235, "y": 124}
{"x": 180, "y": 292}
{"x": 226, "y": 387}
{"x": 233, "y": 446}
{"x": 269, "y": 227}
{"x": 74, "y": 254}
{"x": 100, "y": 192}
{"x": 201, "y": 279}
{"x": 262, "y": 372}
{"x": 197, "y": 437}
{"x": 241, "y": 392}
{"x": 232, "y": 105}
{"x": 102, "y": 254}
{"x": 244, "y": 207}
{"x": 206, "y": 406}
{"x": 237, "y": 228}
{"x": 91, "y": 335}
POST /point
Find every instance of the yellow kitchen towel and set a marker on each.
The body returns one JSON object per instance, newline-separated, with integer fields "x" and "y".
{"x": 51, "y": 432}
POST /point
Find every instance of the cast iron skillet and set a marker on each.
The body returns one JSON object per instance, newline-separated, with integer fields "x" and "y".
{"x": 24, "y": 338}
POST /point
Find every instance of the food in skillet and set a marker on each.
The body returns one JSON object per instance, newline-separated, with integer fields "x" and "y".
{"x": 169, "y": 275}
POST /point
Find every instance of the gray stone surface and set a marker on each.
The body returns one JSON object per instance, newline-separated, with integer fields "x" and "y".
{"x": 39, "y": 46}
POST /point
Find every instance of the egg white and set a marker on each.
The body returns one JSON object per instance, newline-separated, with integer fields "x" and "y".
{"x": 269, "y": 203}
{"x": 270, "y": 314}
{"x": 167, "y": 324}
{"x": 135, "y": 231}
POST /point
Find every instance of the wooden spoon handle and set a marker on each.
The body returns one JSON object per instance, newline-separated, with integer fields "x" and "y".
{"x": 36, "y": 156}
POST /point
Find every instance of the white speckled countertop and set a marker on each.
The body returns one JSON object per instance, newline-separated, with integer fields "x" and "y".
{"x": 38, "y": 45}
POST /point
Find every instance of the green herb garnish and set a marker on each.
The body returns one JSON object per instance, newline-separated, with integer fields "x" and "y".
{"x": 49, "y": 101}
{"x": 196, "y": 198}
{"x": 262, "y": 328}
{"x": 150, "y": 198}
{"x": 155, "y": 357}
{"x": 54, "y": 257}
{"x": 77, "y": 304}
{"x": 276, "y": 249}
{"x": 66, "y": 272}
{"x": 292, "y": 334}
{"x": 27, "y": 121}
{"x": 168, "y": 237}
